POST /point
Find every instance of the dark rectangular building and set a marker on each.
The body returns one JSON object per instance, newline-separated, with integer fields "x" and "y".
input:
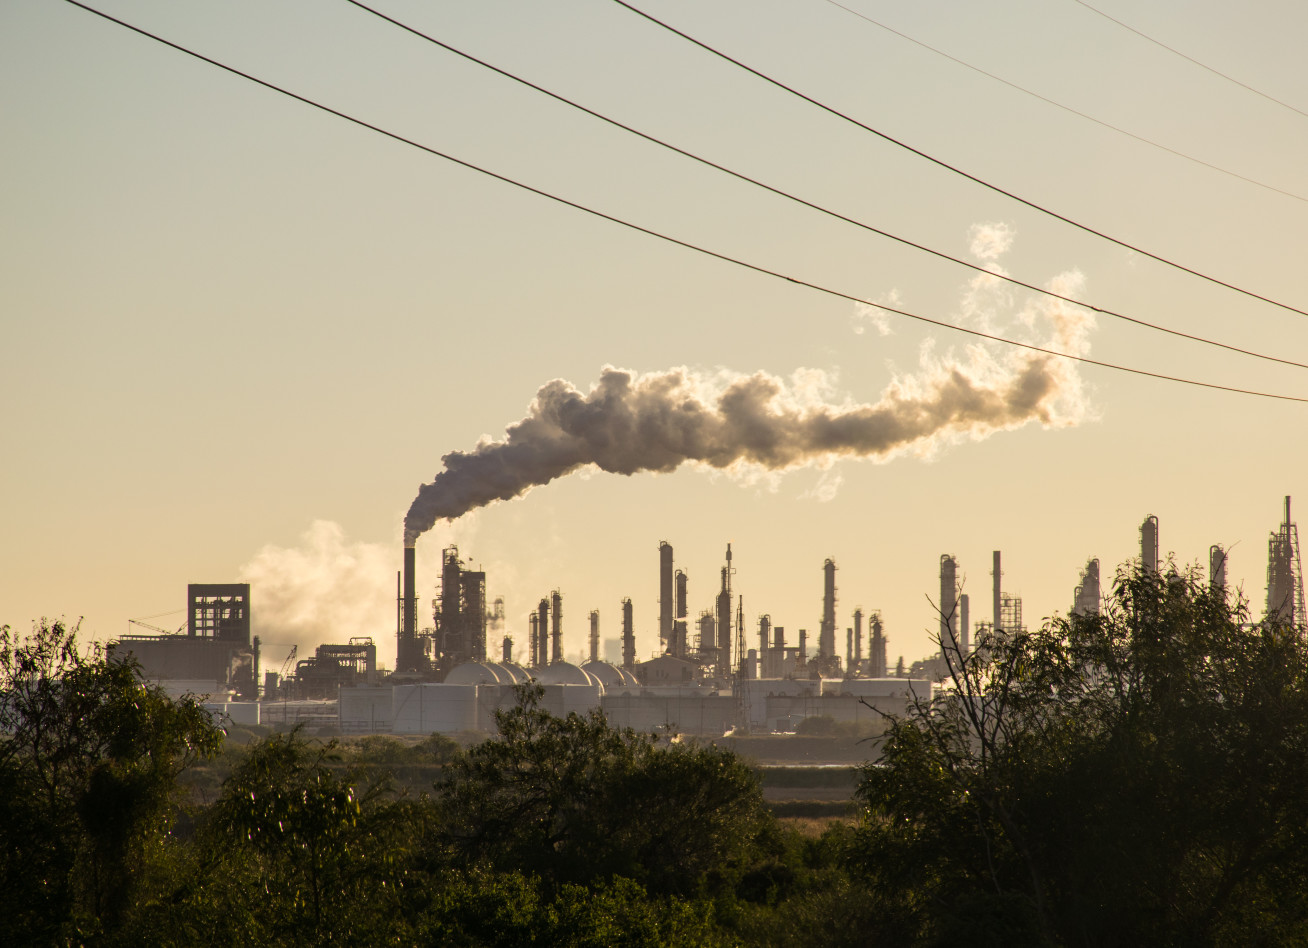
{"x": 219, "y": 612}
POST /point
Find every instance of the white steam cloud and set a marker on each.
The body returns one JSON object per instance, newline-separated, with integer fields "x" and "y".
{"x": 628, "y": 423}
{"x": 330, "y": 588}
{"x": 326, "y": 589}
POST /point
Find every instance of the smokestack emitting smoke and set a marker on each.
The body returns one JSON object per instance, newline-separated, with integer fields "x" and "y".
{"x": 629, "y": 423}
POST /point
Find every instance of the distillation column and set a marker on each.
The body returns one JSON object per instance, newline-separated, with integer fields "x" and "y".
{"x": 556, "y": 630}
{"x": 723, "y": 664}
{"x": 948, "y": 605}
{"x": 628, "y": 637}
{"x": 665, "y": 597}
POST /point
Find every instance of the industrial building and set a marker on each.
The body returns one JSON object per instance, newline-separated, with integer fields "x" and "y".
{"x": 216, "y": 653}
{"x": 1285, "y": 596}
{"x": 706, "y": 680}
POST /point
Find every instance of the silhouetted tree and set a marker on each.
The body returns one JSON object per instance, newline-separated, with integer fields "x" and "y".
{"x": 575, "y": 800}
{"x": 89, "y": 757}
{"x": 298, "y": 850}
{"x": 1136, "y": 777}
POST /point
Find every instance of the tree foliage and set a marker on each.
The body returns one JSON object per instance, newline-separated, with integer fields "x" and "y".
{"x": 573, "y": 800}
{"x": 89, "y": 757}
{"x": 1135, "y": 777}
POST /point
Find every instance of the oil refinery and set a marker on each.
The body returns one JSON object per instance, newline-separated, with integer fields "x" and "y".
{"x": 715, "y": 675}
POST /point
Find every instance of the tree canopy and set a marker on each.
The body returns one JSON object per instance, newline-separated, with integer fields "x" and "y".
{"x": 1136, "y": 776}
{"x": 89, "y": 759}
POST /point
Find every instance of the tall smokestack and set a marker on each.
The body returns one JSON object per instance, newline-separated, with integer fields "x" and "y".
{"x": 594, "y": 635}
{"x": 628, "y": 637}
{"x": 998, "y": 574}
{"x": 1217, "y": 567}
{"x": 964, "y": 623}
{"x": 723, "y": 666}
{"x": 858, "y": 639}
{"x": 408, "y": 654}
{"x": 666, "y": 603}
{"x": 827, "y": 630}
{"x": 533, "y": 649}
{"x": 542, "y": 633}
{"x": 948, "y": 605}
{"x": 1149, "y": 544}
{"x": 679, "y": 623}
{"x": 410, "y": 594}
{"x": 556, "y": 630}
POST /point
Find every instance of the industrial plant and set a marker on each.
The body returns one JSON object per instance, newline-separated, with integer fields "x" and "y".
{"x": 711, "y": 676}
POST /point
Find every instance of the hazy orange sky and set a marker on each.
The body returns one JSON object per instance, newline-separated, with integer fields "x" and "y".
{"x": 237, "y": 334}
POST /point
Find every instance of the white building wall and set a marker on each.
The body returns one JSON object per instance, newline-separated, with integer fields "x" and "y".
{"x": 434, "y": 709}
{"x": 366, "y": 710}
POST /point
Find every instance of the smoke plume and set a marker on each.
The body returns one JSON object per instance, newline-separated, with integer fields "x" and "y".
{"x": 627, "y": 423}
{"x": 326, "y": 589}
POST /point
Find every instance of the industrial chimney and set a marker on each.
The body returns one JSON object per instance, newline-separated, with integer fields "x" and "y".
{"x": 1149, "y": 544}
{"x": 948, "y": 605}
{"x": 594, "y": 635}
{"x": 666, "y": 603}
{"x": 556, "y": 629}
{"x": 542, "y": 633}
{"x": 628, "y": 637}
{"x": 827, "y": 630}
{"x": 408, "y": 653}
{"x": 997, "y": 624}
{"x": 858, "y": 641}
{"x": 1217, "y": 567}
{"x": 723, "y": 666}
{"x": 533, "y": 649}
{"x": 679, "y": 621}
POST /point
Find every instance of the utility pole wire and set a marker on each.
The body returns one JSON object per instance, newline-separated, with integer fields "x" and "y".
{"x": 1176, "y": 52}
{"x": 955, "y": 169}
{"x": 814, "y": 206}
{"x": 674, "y": 240}
{"x": 1068, "y": 108}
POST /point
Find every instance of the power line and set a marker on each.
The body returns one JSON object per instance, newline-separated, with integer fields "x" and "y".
{"x": 1191, "y": 59}
{"x": 675, "y": 240}
{"x": 810, "y": 204}
{"x": 955, "y": 169}
{"x": 1068, "y": 108}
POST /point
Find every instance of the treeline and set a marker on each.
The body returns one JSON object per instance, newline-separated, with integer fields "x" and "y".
{"x": 1135, "y": 777}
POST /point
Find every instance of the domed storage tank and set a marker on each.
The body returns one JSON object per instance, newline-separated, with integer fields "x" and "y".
{"x": 478, "y": 673}
{"x": 610, "y": 676}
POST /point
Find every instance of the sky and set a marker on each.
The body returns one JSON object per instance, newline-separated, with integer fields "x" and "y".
{"x": 238, "y": 333}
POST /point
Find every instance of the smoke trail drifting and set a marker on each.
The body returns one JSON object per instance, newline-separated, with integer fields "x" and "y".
{"x": 629, "y": 423}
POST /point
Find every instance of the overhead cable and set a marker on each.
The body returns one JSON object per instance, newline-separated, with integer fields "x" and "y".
{"x": 955, "y": 169}
{"x": 781, "y": 193}
{"x": 1067, "y": 108}
{"x": 976, "y": 333}
{"x": 1191, "y": 59}
{"x": 814, "y": 206}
